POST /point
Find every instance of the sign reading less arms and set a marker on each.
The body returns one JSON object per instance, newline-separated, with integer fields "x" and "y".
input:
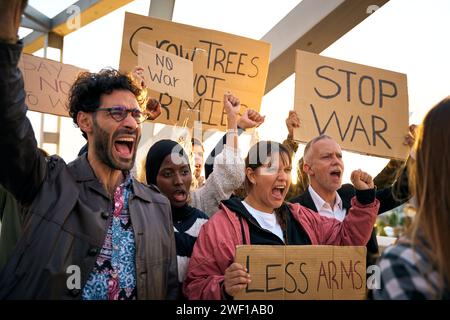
{"x": 364, "y": 109}
{"x": 222, "y": 62}
{"x": 303, "y": 272}
{"x": 47, "y": 84}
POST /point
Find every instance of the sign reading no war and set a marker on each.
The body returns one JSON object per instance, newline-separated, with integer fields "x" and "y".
{"x": 222, "y": 62}
{"x": 303, "y": 272}
{"x": 166, "y": 73}
{"x": 364, "y": 109}
{"x": 47, "y": 84}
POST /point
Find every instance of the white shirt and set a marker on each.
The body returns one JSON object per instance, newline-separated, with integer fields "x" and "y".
{"x": 267, "y": 221}
{"x": 338, "y": 212}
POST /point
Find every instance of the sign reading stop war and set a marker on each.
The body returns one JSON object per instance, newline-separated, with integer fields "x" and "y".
{"x": 364, "y": 109}
{"x": 222, "y": 62}
{"x": 47, "y": 84}
{"x": 167, "y": 73}
{"x": 303, "y": 272}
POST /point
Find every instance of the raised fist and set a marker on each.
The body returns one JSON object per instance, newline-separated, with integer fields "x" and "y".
{"x": 361, "y": 180}
{"x": 250, "y": 119}
{"x": 292, "y": 122}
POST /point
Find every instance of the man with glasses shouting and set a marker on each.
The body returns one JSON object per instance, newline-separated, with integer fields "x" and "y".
{"x": 92, "y": 231}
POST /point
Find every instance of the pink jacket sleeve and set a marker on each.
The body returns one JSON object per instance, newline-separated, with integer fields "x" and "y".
{"x": 355, "y": 230}
{"x": 213, "y": 252}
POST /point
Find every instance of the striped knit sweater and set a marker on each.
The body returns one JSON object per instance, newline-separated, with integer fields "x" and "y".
{"x": 187, "y": 222}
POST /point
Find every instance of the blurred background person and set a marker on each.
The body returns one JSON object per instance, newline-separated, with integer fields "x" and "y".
{"x": 418, "y": 266}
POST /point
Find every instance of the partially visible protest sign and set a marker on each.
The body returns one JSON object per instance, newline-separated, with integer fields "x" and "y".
{"x": 222, "y": 62}
{"x": 47, "y": 84}
{"x": 303, "y": 272}
{"x": 364, "y": 109}
{"x": 166, "y": 72}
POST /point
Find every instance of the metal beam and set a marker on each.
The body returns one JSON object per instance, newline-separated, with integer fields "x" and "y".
{"x": 34, "y": 41}
{"x": 312, "y": 26}
{"x": 31, "y": 24}
{"x": 162, "y": 9}
{"x": 90, "y": 10}
{"x": 38, "y": 18}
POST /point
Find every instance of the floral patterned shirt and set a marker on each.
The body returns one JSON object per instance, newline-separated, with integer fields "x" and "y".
{"x": 114, "y": 273}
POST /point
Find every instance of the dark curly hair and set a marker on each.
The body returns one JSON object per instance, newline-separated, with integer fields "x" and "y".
{"x": 87, "y": 89}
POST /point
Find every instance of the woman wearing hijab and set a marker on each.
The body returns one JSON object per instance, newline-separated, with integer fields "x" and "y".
{"x": 168, "y": 169}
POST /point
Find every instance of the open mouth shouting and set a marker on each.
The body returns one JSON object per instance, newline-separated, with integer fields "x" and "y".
{"x": 278, "y": 192}
{"x": 180, "y": 195}
{"x": 336, "y": 174}
{"x": 125, "y": 146}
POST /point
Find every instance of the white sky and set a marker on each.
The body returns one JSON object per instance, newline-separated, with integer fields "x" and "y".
{"x": 408, "y": 36}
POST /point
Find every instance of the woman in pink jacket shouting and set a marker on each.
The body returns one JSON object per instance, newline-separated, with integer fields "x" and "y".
{"x": 263, "y": 218}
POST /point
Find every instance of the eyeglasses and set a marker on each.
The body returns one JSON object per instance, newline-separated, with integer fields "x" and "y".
{"x": 119, "y": 113}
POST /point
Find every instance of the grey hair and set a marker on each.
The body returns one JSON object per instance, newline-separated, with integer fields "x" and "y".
{"x": 310, "y": 144}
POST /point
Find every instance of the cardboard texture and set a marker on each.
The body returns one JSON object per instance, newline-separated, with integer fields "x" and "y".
{"x": 47, "y": 84}
{"x": 303, "y": 272}
{"x": 364, "y": 109}
{"x": 166, "y": 72}
{"x": 222, "y": 62}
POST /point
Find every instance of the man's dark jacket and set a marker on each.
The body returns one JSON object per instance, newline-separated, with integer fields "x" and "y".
{"x": 69, "y": 212}
{"x": 389, "y": 198}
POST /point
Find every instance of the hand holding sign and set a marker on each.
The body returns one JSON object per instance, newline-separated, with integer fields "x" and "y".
{"x": 362, "y": 180}
{"x": 236, "y": 279}
{"x": 138, "y": 74}
{"x": 153, "y": 109}
{"x": 410, "y": 138}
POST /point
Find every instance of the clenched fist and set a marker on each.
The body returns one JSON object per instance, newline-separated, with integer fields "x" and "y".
{"x": 10, "y": 15}
{"x": 292, "y": 122}
{"x": 250, "y": 119}
{"x": 231, "y": 104}
{"x": 362, "y": 180}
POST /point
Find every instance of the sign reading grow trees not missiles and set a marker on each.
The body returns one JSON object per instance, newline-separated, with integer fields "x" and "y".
{"x": 222, "y": 62}
{"x": 364, "y": 109}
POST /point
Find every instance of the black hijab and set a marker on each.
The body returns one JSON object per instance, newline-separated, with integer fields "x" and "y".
{"x": 156, "y": 155}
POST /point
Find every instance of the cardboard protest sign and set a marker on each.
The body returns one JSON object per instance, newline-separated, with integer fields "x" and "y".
{"x": 222, "y": 62}
{"x": 303, "y": 272}
{"x": 47, "y": 84}
{"x": 364, "y": 109}
{"x": 166, "y": 72}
